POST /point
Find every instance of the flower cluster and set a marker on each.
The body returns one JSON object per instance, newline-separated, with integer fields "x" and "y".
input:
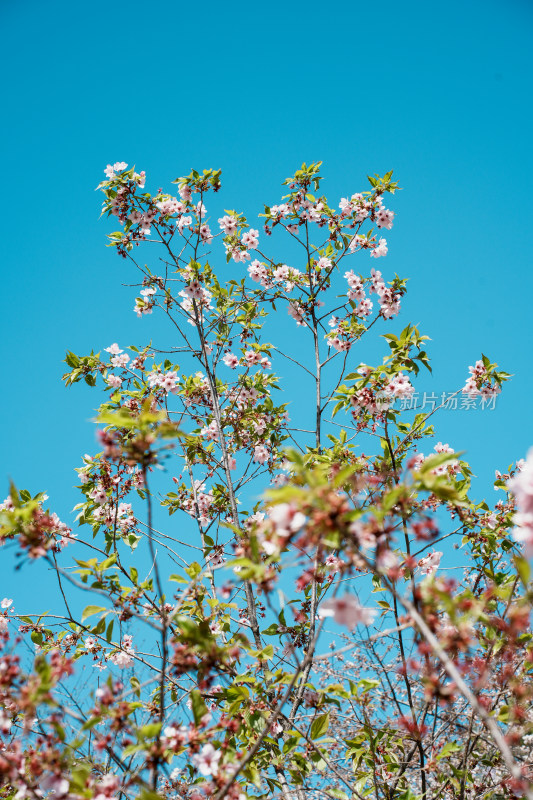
{"x": 389, "y": 300}
{"x": 483, "y": 380}
{"x": 521, "y": 485}
{"x": 124, "y": 657}
{"x": 37, "y": 531}
{"x": 283, "y": 521}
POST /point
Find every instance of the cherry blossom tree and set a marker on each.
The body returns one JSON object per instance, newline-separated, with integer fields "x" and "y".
{"x": 267, "y": 613}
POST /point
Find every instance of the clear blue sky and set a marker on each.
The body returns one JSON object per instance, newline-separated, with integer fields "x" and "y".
{"x": 440, "y": 92}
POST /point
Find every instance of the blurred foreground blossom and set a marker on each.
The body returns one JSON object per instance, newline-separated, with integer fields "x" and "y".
{"x": 346, "y": 611}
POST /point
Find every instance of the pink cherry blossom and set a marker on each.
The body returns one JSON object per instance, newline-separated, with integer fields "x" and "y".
{"x": 296, "y": 311}
{"x": 114, "y": 349}
{"x": 120, "y": 361}
{"x": 381, "y": 249}
{"x": 386, "y": 560}
{"x": 99, "y": 495}
{"x": 521, "y": 485}
{"x": 205, "y": 233}
{"x": 257, "y": 271}
{"x": 184, "y": 222}
{"x": 59, "y": 786}
{"x": 280, "y": 211}
{"x": 5, "y": 721}
{"x": 430, "y": 563}
{"x": 416, "y": 461}
{"x": 346, "y": 611}
{"x": 210, "y": 431}
{"x": 358, "y": 242}
{"x": 345, "y": 207}
{"x": 194, "y": 290}
{"x": 230, "y": 360}
{"x": 7, "y": 505}
{"x": 281, "y": 273}
{"x": 481, "y": 383}
{"x": 250, "y": 239}
{"x": 366, "y": 539}
{"x": 239, "y": 255}
{"x": 228, "y": 224}
{"x": 261, "y": 454}
{"x": 124, "y": 658}
{"x": 384, "y": 218}
{"x": 364, "y": 309}
{"x": 339, "y": 344}
{"x": 169, "y": 207}
{"x": 400, "y": 386}
{"x": 206, "y": 761}
{"x": 286, "y": 519}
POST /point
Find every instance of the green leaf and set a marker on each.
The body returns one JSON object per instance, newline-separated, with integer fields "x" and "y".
{"x": 79, "y": 775}
{"x": 431, "y": 462}
{"x": 149, "y": 731}
{"x": 199, "y": 708}
{"x": 91, "y": 722}
{"x": 272, "y": 630}
{"x": 193, "y": 570}
{"x": 392, "y": 497}
{"x": 72, "y": 359}
{"x": 265, "y": 653}
{"x": 177, "y": 578}
{"x": 89, "y": 611}
{"x": 147, "y": 794}
{"x": 319, "y": 726}
{"x": 365, "y": 684}
{"x": 523, "y": 567}
{"x": 449, "y": 747}
{"x": 107, "y": 563}
{"x": 337, "y": 793}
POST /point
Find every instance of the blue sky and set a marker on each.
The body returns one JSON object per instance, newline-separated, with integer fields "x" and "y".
{"x": 438, "y": 92}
